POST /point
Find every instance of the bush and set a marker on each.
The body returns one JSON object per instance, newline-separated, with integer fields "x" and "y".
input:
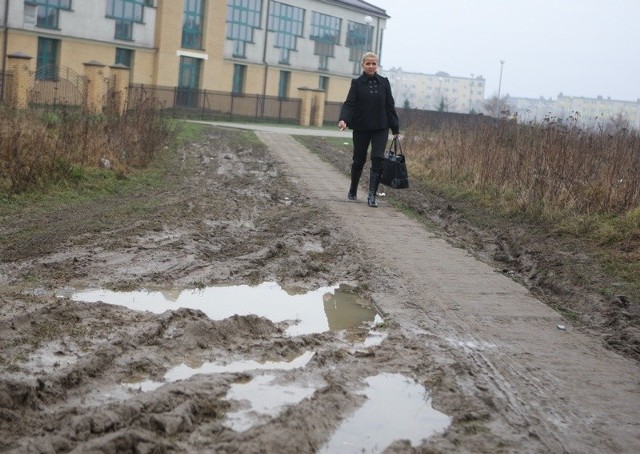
{"x": 40, "y": 148}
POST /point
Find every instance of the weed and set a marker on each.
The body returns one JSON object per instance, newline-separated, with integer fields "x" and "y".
{"x": 44, "y": 149}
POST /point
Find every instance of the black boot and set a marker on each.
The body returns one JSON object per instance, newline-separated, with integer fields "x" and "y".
{"x": 355, "y": 179}
{"x": 374, "y": 181}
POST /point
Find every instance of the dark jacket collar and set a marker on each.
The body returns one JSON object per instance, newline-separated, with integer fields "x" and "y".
{"x": 364, "y": 78}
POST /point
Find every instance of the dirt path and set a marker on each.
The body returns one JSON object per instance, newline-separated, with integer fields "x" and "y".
{"x": 97, "y": 377}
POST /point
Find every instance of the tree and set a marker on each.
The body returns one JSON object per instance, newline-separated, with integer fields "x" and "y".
{"x": 407, "y": 104}
{"x": 442, "y": 107}
{"x": 497, "y": 107}
{"x": 617, "y": 123}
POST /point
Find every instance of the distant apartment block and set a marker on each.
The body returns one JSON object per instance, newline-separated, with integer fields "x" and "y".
{"x": 439, "y": 91}
{"x": 588, "y": 112}
{"x": 261, "y": 47}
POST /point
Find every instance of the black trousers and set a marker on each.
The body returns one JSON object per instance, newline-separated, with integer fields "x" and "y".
{"x": 361, "y": 140}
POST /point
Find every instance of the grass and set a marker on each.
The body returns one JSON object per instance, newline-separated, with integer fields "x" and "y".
{"x": 66, "y": 176}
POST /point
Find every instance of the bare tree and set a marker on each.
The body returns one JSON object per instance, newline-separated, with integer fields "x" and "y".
{"x": 442, "y": 107}
{"x": 617, "y": 123}
{"x": 497, "y": 107}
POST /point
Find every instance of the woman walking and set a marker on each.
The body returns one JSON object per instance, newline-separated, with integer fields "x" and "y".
{"x": 370, "y": 112}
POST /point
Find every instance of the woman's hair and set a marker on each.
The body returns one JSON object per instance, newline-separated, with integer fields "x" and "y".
{"x": 369, "y": 55}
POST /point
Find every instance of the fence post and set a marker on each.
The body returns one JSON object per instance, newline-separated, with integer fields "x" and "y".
{"x": 120, "y": 74}
{"x": 306, "y": 105}
{"x": 311, "y": 106}
{"x": 258, "y": 102}
{"x": 204, "y": 101}
{"x": 94, "y": 72}
{"x": 175, "y": 101}
{"x": 318, "y": 117}
{"x": 18, "y": 65}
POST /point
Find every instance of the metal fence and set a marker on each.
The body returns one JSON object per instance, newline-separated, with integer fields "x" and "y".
{"x": 57, "y": 85}
{"x": 209, "y": 104}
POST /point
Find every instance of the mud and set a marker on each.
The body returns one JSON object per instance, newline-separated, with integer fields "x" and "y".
{"x": 230, "y": 213}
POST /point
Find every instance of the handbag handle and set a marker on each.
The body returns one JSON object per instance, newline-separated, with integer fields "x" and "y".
{"x": 395, "y": 143}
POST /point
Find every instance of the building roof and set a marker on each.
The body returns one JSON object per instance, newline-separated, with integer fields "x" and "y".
{"x": 363, "y": 6}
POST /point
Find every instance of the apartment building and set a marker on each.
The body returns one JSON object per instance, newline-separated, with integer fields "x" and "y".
{"x": 263, "y": 47}
{"x": 588, "y": 112}
{"x": 439, "y": 91}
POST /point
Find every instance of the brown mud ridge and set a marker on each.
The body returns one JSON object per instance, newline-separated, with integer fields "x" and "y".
{"x": 227, "y": 214}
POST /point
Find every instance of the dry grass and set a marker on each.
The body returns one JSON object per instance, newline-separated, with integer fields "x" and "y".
{"x": 39, "y": 149}
{"x": 549, "y": 169}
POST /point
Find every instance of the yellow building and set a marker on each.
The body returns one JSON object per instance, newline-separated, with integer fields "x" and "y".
{"x": 244, "y": 47}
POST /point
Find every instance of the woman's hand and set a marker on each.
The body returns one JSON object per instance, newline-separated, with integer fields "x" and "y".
{"x": 342, "y": 125}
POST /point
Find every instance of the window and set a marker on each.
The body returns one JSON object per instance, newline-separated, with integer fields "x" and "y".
{"x": 131, "y": 10}
{"x": 287, "y": 22}
{"x": 325, "y": 28}
{"x": 48, "y": 11}
{"x": 192, "y": 24}
{"x": 283, "y": 86}
{"x": 359, "y": 38}
{"x": 243, "y": 16}
{"x": 239, "y": 72}
{"x": 47, "y": 60}
{"x": 323, "y": 83}
{"x": 124, "y": 30}
{"x": 124, "y": 57}
{"x": 188, "y": 81}
{"x": 126, "y": 13}
{"x": 325, "y": 31}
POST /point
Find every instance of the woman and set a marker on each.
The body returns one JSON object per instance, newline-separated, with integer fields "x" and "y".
{"x": 370, "y": 112}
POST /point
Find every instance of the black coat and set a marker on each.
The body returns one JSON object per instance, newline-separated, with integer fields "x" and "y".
{"x": 370, "y": 105}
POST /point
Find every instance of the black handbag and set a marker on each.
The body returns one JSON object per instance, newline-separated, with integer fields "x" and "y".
{"x": 394, "y": 167}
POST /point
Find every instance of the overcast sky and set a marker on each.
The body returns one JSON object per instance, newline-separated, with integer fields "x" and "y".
{"x": 577, "y": 47}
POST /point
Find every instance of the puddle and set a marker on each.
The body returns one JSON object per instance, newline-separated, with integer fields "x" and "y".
{"x": 328, "y": 308}
{"x": 183, "y": 371}
{"x": 260, "y": 400}
{"x": 396, "y": 409}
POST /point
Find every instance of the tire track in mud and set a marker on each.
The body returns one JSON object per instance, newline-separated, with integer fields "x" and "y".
{"x": 555, "y": 386}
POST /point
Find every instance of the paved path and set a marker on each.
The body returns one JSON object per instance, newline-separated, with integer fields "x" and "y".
{"x": 572, "y": 393}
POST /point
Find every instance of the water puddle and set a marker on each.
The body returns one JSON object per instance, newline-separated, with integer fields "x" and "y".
{"x": 396, "y": 409}
{"x": 183, "y": 371}
{"x": 260, "y": 400}
{"x": 327, "y": 308}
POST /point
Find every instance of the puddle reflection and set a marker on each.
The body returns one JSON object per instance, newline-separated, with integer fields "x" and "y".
{"x": 183, "y": 371}
{"x": 340, "y": 309}
{"x": 396, "y": 409}
{"x": 260, "y": 400}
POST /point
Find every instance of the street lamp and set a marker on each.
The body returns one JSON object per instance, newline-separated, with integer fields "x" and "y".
{"x": 500, "y": 81}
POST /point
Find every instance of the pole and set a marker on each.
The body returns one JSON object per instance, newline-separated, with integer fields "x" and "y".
{"x": 500, "y": 81}
{"x": 3, "y": 82}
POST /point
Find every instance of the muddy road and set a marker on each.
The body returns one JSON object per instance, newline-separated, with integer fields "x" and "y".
{"x": 244, "y": 305}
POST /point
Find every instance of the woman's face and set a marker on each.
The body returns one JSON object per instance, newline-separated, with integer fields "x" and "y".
{"x": 370, "y": 66}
